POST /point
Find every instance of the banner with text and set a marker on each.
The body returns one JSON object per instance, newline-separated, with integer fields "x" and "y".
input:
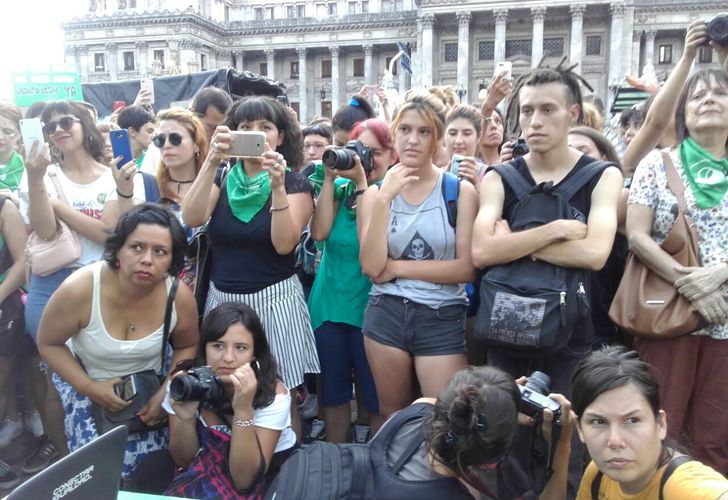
{"x": 54, "y": 84}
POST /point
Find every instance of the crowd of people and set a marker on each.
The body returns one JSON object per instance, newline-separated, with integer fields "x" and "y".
{"x": 366, "y": 273}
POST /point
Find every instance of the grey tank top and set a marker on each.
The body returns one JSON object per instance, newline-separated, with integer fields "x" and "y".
{"x": 421, "y": 232}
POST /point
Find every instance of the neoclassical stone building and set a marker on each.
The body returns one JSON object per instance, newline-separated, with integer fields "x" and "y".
{"x": 325, "y": 50}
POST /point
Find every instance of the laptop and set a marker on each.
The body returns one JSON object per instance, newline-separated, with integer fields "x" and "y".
{"x": 93, "y": 472}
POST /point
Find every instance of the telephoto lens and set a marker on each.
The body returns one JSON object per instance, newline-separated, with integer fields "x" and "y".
{"x": 718, "y": 30}
{"x": 199, "y": 384}
{"x": 340, "y": 159}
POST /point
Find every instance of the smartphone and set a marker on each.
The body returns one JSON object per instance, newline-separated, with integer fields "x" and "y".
{"x": 455, "y": 163}
{"x": 31, "y": 130}
{"x": 504, "y": 67}
{"x": 372, "y": 89}
{"x": 118, "y": 105}
{"x": 147, "y": 84}
{"x": 121, "y": 146}
{"x": 247, "y": 144}
{"x": 283, "y": 99}
{"x": 127, "y": 389}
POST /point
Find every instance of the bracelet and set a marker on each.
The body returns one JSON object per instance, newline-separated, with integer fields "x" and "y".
{"x": 359, "y": 192}
{"x": 127, "y": 196}
{"x": 243, "y": 423}
{"x": 278, "y": 209}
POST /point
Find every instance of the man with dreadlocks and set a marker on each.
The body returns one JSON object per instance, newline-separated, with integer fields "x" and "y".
{"x": 543, "y": 106}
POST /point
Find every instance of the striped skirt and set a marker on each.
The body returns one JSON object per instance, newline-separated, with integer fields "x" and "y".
{"x": 284, "y": 315}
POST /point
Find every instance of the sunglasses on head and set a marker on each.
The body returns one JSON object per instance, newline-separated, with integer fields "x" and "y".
{"x": 174, "y": 139}
{"x": 66, "y": 122}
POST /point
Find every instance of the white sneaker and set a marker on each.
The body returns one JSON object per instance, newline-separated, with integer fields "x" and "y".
{"x": 34, "y": 424}
{"x": 310, "y": 407}
{"x": 361, "y": 434}
{"x": 318, "y": 431}
{"x": 9, "y": 431}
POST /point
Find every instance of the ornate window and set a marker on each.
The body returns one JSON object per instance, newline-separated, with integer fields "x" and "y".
{"x": 263, "y": 69}
{"x": 593, "y": 45}
{"x": 358, "y": 67}
{"x": 326, "y": 68}
{"x": 665, "y": 54}
{"x": 294, "y": 69}
{"x": 451, "y": 52}
{"x": 486, "y": 50}
{"x": 553, "y": 47}
{"x": 128, "y": 61}
{"x": 159, "y": 56}
{"x": 519, "y": 47}
{"x": 332, "y": 8}
{"x": 99, "y": 62}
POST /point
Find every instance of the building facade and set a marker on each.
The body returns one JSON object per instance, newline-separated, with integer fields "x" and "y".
{"x": 325, "y": 50}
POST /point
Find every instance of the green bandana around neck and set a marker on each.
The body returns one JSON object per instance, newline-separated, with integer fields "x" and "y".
{"x": 247, "y": 195}
{"x": 11, "y": 173}
{"x": 707, "y": 176}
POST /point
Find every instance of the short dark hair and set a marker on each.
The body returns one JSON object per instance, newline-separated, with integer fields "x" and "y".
{"x": 267, "y": 108}
{"x": 134, "y": 117}
{"x": 474, "y": 419}
{"x": 35, "y": 109}
{"x": 148, "y": 213}
{"x": 603, "y": 144}
{"x": 357, "y": 109}
{"x": 704, "y": 76}
{"x": 635, "y": 114}
{"x": 211, "y": 96}
{"x": 319, "y": 129}
{"x": 214, "y": 326}
{"x": 610, "y": 368}
{"x": 93, "y": 141}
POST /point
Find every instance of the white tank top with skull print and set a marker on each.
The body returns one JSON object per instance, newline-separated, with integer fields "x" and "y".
{"x": 421, "y": 232}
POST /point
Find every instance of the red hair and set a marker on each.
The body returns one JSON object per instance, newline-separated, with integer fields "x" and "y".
{"x": 380, "y": 129}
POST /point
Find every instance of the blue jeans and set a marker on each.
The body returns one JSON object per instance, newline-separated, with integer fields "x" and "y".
{"x": 40, "y": 290}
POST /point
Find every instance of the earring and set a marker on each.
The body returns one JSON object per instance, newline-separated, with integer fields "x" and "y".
{"x": 90, "y": 139}
{"x": 197, "y": 155}
{"x": 55, "y": 151}
{"x": 166, "y": 275}
{"x": 117, "y": 264}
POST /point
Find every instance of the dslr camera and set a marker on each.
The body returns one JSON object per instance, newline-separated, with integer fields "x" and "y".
{"x": 534, "y": 397}
{"x": 343, "y": 158}
{"x": 199, "y": 384}
{"x": 519, "y": 148}
{"x": 718, "y": 30}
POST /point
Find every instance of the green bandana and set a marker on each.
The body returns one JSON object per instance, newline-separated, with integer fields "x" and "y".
{"x": 247, "y": 196}
{"x": 343, "y": 188}
{"x": 707, "y": 176}
{"x": 11, "y": 173}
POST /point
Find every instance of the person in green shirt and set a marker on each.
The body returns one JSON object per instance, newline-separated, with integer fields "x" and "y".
{"x": 340, "y": 290}
{"x": 141, "y": 124}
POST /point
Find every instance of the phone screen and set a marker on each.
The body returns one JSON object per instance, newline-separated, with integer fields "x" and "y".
{"x": 32, "y": 131}
{"x": 126, "y": 390}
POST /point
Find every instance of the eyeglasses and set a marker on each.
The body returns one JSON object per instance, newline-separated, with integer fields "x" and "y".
{"x": 9, "y": 133}
{"x": 174, "y": 139}
{"x": 66, "y": 122}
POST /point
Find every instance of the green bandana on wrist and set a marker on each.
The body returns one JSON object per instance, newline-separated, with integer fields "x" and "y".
{"x": 707, "y": 176}
{"x": 247, "y": 195}
{"x": 11, "y": 173}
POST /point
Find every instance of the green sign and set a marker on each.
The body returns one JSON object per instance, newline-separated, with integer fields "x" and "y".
{"x": 56, "y": 84}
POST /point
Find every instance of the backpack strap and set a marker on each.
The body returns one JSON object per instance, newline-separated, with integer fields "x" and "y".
{"x": 151, "y": 190}
{"x": 596, "y": 484}
{"x": 671, "y": 467}
{"x": 168, "y": 316}
{"x": 360, "y": 470}
{"x": 450, "y": 192}
{"x": 412, "y": 446}
{"x": 515, "y": 179}
{"x": 582, "y": 177}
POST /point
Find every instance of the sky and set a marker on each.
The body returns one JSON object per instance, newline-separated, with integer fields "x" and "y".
{"x": 31, "y": 36}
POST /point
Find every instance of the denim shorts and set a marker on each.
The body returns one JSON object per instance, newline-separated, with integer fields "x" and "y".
{"x": 39, "y": 293}
{"x": 415, "y": 328}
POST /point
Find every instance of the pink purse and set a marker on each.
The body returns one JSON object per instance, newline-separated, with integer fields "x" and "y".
{"x": 45, "y": 257}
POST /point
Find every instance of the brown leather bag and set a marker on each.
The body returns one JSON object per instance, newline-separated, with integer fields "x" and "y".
{"x": 646, "y": 305}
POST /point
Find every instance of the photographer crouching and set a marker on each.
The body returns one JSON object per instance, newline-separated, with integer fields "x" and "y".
{"x": 230, "y": 419}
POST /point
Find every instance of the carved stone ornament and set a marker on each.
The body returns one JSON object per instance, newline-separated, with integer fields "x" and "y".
{"x": 464, "y": 17}
{"x": 334, "y": 50}
{"x": 577, "y": 11}
{"x": 616, "y": 9}
{"x": 538, "y": 13}
{"x": 301, "y": 51}
{"x": 500, "y": 15}
{"x": 427, "y": 20}
{"x": 368, "y": 49}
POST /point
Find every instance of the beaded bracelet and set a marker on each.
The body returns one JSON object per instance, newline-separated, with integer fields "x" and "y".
{"x": 243, "y": 423}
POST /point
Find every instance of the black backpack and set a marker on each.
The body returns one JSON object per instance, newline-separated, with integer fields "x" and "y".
{"x": 321, "y": 470}
{"x": 531, "y": 307}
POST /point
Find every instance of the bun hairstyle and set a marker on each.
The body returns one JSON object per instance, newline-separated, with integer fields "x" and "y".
{"x": 474, "y": 419}
{"x": 429, "y": 107}
{"x": 446, "y": 93}
{"x": 357, "y": 109}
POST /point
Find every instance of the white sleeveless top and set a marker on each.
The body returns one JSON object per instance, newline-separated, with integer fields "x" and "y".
{"x": 105, "y": 357}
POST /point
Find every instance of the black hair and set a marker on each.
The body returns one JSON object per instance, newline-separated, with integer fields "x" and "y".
{"x": 215, "y": 325}
{"x": 93, "y": 141}
{"x": 211, "y": 96}
{"x": 542, "y": 75}
{"x": 267, "y": 108}
{"x": 635, "y": 114}
{"x": 603, "y": 144}
{"x": 357, "y": 109}
{"x": 704, "y": 76}
{"x": 35, "y": 109}
{"x": 474, "y": 419}
{"x": 134, "y": 117}
{"x": 610, "y": 368}
{"x": 148, "y": 213}
{"x": 321, "y": 129}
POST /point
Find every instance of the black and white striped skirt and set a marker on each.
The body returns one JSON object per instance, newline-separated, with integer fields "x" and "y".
{"x": 287, "y": 324}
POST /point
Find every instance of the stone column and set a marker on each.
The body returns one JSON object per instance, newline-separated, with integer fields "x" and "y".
{"x": 577, "y": 21}
{"x": 302, "y": 86}
{"x": 616, "y": 9}
{"x": 86, "y": 62}
{"x": 141, "y": 55}
{"x": 112, "y": 63}
{"x": 403, "y": 78}
{"x": 270, "y": 55}
{"x": 368, "y": 51}
{"x": 428, "y": 22}
{"x": 335, "y": 75}
{"x": 240, "y": 61}
{"x": 627, "y": 29}
{"x": 537, "y": 16}
{"x": 636, "y": 42}
{"x": 500, "y": 16}
{"x": 650, "y": 46}
{"x": 464, "y": 18}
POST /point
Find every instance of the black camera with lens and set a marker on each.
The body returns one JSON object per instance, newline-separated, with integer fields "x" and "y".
{"x": 199, "y": 384}
{"x": 343, "y": 158}
{"x": 519, "y": 148}
{"x": 718, "y": 30}
{"x": 534, "y": 397}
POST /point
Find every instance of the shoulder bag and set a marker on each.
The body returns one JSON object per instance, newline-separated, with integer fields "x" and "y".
{"x": 646, "y": 305}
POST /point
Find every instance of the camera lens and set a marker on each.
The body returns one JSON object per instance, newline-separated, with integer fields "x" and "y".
{"x": 185, "y": 388}
{"x": 539, "y": 382}
{"x": 340, "y": 159}
{"x": 718, "y": 30}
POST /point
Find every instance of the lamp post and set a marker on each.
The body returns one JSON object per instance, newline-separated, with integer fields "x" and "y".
{"x": 322, "y": 95}
{"x": 461, "y": 91}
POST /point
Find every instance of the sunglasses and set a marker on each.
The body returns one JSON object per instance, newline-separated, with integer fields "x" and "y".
{"x": 65, "y": 122}
{"x": 174, "y": 139}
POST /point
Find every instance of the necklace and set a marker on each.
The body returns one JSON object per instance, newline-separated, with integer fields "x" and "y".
{"x": 179, "y": 183}
{"x": 131, "y": 327}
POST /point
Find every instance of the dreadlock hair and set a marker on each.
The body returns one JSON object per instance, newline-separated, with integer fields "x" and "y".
{"x": 542, "y": 75}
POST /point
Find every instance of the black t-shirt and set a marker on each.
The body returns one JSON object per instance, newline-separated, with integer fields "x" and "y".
{"x": 243, "y": 257}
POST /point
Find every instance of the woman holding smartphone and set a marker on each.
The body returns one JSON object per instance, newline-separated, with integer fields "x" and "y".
{"x": 462, "y": 132}
{"x": 256, "y": 211}
{"x": 417, "y": 261}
